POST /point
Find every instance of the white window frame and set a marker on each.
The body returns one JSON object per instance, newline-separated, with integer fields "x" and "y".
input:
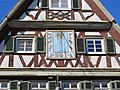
{"x": 70, "y": 85}
{"x": 59, "y": 6}
{"x": 38, "y": 83}
{"x": 26, "y": 38}
{"x": 100, "y": 83}
{"x": 52, "y": 51}
{"x": 95, "y": 39}
{"x": 6, "y": 88}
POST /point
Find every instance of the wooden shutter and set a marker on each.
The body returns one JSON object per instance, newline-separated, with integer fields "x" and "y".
{"x": 25, "y": 85}
{"x": 40, "y": 45}
{"x": 76, "y": 4}
{"x": 9, "y": 44}
{"x": 13, "y": 85}
{"x": 44, "y": 4}
{"x": 51, "y": 85}
{"x": 115, "y": 85}
{"x": 112, "y": 85}
{"x": 80, "y": 45}
{"x": 85, "y": 85}
{"x": 110, "y": 46}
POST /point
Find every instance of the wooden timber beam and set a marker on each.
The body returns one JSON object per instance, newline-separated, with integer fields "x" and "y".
{"x": 80, "y": 25}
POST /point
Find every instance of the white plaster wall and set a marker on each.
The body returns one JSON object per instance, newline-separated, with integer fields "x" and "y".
{"x": 5, "y": 62}
{"x": 85, "y": 6}
{"x": 117, "y": 48}
{"x": 94, "y": 17}
{"x": 17, "y": 62}
{"x": 94, "y": 59}
{"x": 103, "y": 63}
{"x": 42, "y": 16}
{"x": 77, "y": 16}
{"x": 114, "y": 63}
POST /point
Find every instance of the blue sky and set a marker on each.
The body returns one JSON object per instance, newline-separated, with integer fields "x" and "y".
{"x": 113, "y": 6}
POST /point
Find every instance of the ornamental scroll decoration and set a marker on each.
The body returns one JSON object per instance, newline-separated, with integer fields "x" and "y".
{"x": 60, "y": 15}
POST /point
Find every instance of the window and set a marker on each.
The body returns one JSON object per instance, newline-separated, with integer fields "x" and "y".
{"x": 60, "y": 44}
{"x": 3, "y": 85}
{"x": 101, "y": 85}
{"x": 70, "y": 85}
{"x": 95, "y": 46}
{"x": 24, "y": 45}
{"x": 115, "y": 85}
{"x": 38, "y": 85}
{"x": 60, "y": 4}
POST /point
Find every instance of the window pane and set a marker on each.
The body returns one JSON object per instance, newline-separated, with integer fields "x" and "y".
{"x": 98, "y": 50}
{"x": 88, "y": 85}
{"x": 118, "y": 85}
{"x": 97, "y": 85}
{"x": 82, "y": 85}
{"x": 4, "y": 85}
{"x": 74, "y": 85}
{"x": 90, "y": 50}
{"x": 24, "y": 44}
{"x": 34, "y": 85}
{"x": 104, "y": 85}
{"x": 20, "y": 46}
{"x": 113, "y": 85}
{"x": 91, "y": 46}
{"x": 66, "y": 85}
{"x": 43, "y": 85}
{"x": 90, "y": 42}
{"x": 94, "y": 45}
{"x": 64, "y": 3}
{"x": 98, "y": 46}
{"x": 98, "y": 42}
{"x": 55, "y": 3}
{"x": 29, "y": 45}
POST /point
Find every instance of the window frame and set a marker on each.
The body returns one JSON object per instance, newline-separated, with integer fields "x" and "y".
{"x": 25, "y": 38}
{"x": 70, "y": 85}
{"x": 95, "y": 39}
{"x": 38, "y": 85}
{"x": 100, "y": 83}
{"x": 59, "y": 5}
{"x": 6, "y": 88}
{"x": 71, "y": 51}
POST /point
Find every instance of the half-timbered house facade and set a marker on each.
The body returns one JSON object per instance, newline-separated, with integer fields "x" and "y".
{"x": 59, "y": 45}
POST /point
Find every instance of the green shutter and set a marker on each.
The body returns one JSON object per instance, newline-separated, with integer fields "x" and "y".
{"x": 13, "y": 85}
{"x": 40, "y": 45}
{"x": 115, "y": 85}
{"x": 80, "y": 45}
{"x": 9, "y": 44}
{"x": 44, "y": 4}
{"x": 51, "y": 85}
{"x": 76, "y": 4}
{"x": 25, "y": 85}
{"x": 110, "y": 46}
{"x": 85, "y": 85}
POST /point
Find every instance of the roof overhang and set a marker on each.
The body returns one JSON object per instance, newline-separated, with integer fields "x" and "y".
{"x": 84, "y": 25}
{"x": 82, "y": 72}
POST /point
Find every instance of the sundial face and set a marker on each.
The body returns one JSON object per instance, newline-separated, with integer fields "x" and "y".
{"x": 60, "y": 44}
